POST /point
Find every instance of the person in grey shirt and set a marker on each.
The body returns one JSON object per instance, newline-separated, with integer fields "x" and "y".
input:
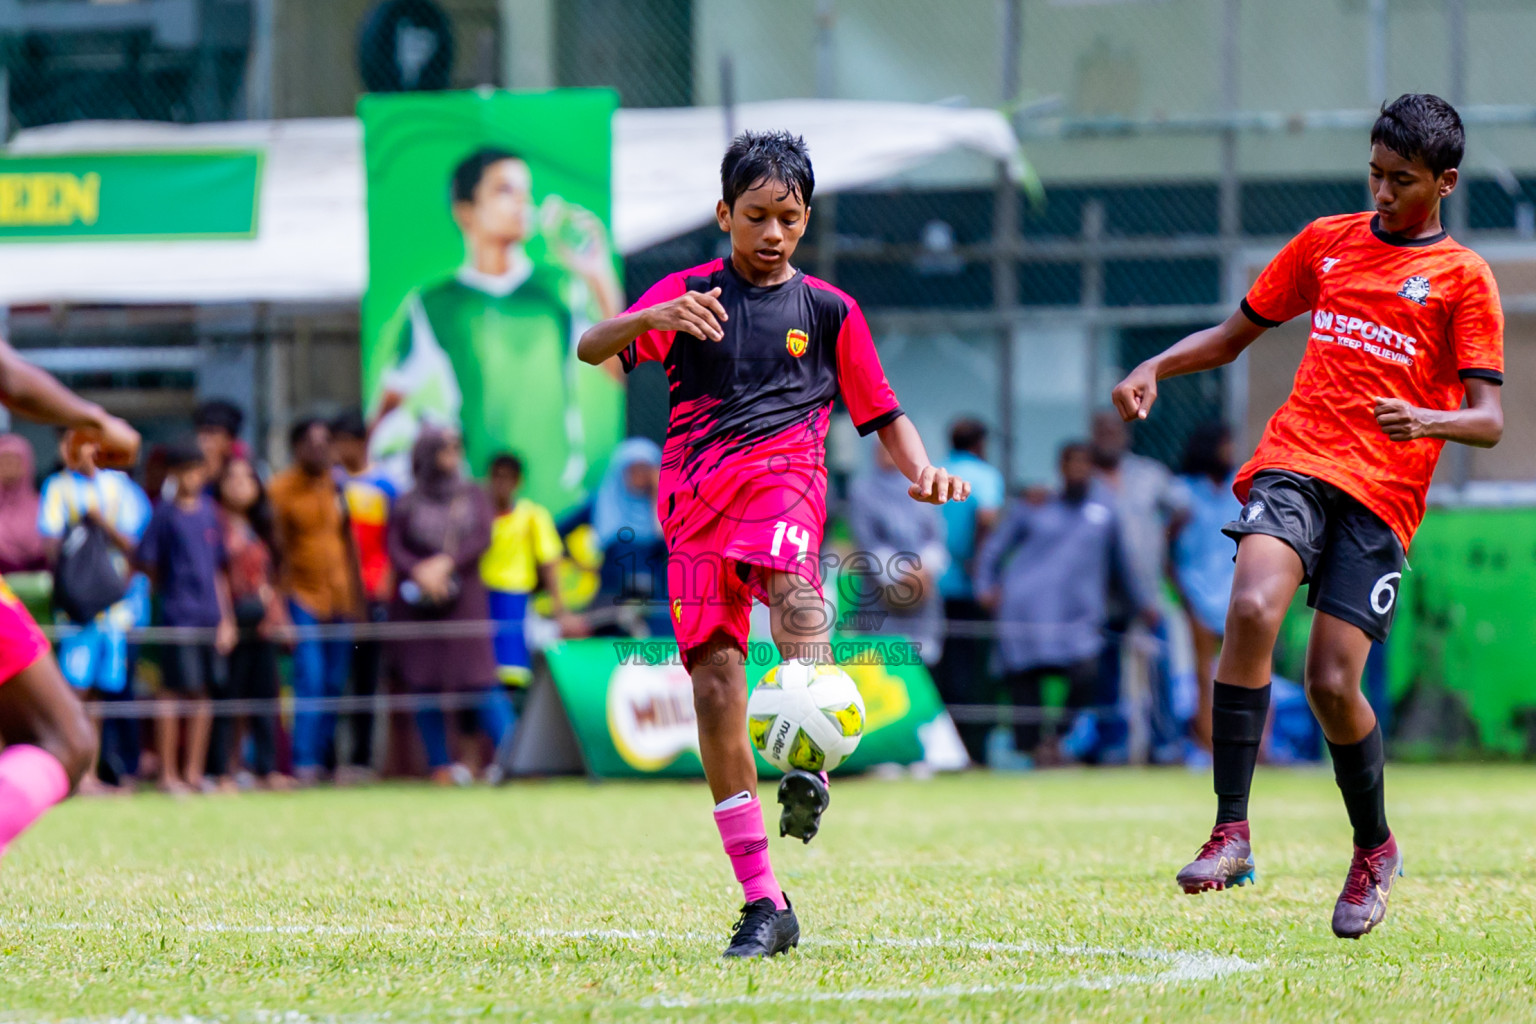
{"x": 1143, "y": 494}
{"x": 1147, "y": 499}
{"x": 1047, "y": 571}
{"x": 904, "y": 541}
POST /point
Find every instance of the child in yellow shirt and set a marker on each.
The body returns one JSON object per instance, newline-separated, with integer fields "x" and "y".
{"x": 524, "y": 555}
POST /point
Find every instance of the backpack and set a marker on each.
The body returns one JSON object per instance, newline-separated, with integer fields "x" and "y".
{"x": 86, "y": 580}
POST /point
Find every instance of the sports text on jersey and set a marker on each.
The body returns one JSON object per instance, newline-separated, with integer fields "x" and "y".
{"x": 1379, "y": 340}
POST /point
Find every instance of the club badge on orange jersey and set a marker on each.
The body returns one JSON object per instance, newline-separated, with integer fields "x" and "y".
{"x": 797, "y": 341}
{"x": 1415, "y": 289}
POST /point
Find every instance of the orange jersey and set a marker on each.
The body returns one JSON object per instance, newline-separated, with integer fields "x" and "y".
{"x": 1391, "y": 317}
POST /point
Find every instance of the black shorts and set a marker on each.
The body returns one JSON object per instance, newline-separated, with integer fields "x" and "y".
{"x": 192, "y": 670}
{"x": 1353, "y": 561}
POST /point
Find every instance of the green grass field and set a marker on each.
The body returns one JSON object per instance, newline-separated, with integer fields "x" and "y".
{"x": 963, "y": 898}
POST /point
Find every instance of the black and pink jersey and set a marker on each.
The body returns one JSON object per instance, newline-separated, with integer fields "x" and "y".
{"x": 752, "y": 410}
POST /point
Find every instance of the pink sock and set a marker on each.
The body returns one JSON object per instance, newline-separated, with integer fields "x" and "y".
{"x": 746, "y": 843}
{"x": 31, "y": 781}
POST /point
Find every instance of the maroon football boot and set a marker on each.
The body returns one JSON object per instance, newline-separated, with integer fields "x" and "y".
{"x": 1224, "y": 861}
{"x": 1363, "y": 903}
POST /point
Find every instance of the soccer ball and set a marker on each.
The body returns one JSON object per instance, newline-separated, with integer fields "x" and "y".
{"x": 804, "y": 715}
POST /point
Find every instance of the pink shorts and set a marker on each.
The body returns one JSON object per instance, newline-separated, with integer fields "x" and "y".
{"x": 21, "y": 642}
{"x": 717, "y": 570}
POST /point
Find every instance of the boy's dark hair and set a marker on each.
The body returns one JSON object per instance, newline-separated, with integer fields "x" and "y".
{"x": 350, "y": 424}
{"x": 1419, "y": 126}
{"x": 467, "y": 175}
{"x": 183, "y": 454}
{"x": 1202, "y": 450}
{"x": 967, "y": 434}
{"x": 300, "y": 430}
{"x": 1072, "y": 448}
{"x": 218, "y": 414}
{"x": 506, "y": 460}
{"x": 758, "y": 157}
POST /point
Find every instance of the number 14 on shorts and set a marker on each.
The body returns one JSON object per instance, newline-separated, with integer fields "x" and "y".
{"x": 798, "y": 537}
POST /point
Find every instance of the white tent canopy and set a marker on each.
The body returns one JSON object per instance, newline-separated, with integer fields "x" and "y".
{"x": 666, "y": 163}
{"x": 311, "y": 245}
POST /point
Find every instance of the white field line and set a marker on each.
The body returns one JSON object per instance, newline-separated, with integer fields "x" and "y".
{"x": 409, "y": 931}
{"x": 1179, "y": 967}
{"x": 1182, "y": 968}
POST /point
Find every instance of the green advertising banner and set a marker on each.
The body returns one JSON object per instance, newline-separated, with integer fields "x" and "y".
{"x": 1463, "y": 637}
{"x": 129, "y": 196}
{"x": 629, "y": 705}
{"x": 1466, "y": 630}
{"x": 489, "y": 252}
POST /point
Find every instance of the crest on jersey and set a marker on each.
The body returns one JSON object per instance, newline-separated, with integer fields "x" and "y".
{"x": 1415, "y": 289}
{"x": 797, "y": 341}
{"x": 677, "y": 610}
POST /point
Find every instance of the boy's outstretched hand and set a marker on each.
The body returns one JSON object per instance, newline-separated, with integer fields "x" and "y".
{"x": 119, "y": 442}
{"x": 115, "y": 443}
{"x": 1133, "y": 397}
{"x": 935, "y": 486}
{"x": 697, "y": 313}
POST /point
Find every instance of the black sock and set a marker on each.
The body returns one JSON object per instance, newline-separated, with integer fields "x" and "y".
{"x": 1358, "y": 769}
{"x": 1237, "y": 729}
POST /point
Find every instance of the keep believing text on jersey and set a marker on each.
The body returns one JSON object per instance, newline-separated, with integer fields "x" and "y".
{"x": 1379, "y": 340}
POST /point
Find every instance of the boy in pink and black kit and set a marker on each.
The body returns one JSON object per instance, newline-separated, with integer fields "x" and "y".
{"x": 755, "y": 352}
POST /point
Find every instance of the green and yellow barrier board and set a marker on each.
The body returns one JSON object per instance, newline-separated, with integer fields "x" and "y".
{"x": 624, "y": 709}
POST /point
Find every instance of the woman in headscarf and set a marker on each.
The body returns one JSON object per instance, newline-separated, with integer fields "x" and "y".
{"x": 624, "y": 517}
{"x": 626, "y": 499}
{"x": 21, "y": 546}
{"x": 436, "y": 536}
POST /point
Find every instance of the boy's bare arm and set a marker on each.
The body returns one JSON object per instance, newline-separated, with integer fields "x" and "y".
{"x": 33, "y": 393}
{"x": 697, "y": 313}
{"x": 1203, "y": 350}
{"x": 931, "y": 484}
{"x": 1480, "y": 423}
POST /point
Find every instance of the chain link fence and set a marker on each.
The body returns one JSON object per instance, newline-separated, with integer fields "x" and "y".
{"x": 1175, "y": 144}
{"x": 143, "y": 61}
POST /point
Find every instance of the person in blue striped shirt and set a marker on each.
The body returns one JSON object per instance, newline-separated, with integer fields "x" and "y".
{"x": 96, "y": 659}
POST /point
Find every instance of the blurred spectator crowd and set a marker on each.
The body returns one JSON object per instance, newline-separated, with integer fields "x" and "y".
{"x": 193, "y": 591}
{"x": 1070, "y": 623}
{"x": 1073, "y": 622}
